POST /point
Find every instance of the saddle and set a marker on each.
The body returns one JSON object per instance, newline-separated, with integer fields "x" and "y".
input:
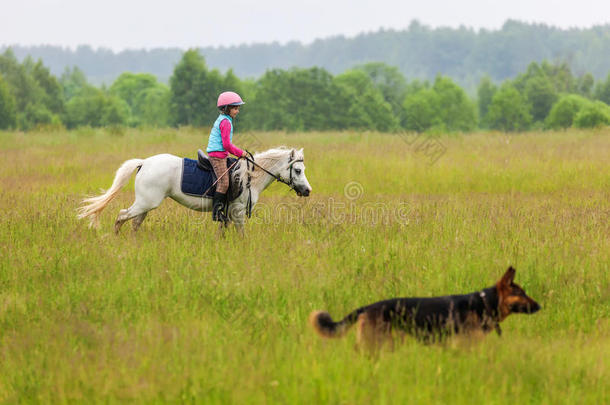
{"x": 198, "y": 177}
{"x": 203, "y": 162}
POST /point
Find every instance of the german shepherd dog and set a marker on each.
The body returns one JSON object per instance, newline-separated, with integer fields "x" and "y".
{"x": 431, "y": 319}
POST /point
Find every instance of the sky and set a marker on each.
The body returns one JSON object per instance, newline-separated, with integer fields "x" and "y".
{"x": 136, "y": 24}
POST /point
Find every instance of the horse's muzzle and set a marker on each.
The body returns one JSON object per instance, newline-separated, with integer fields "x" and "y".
{"x": 304, "y": 193}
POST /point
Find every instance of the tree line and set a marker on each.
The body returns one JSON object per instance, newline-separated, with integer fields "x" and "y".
{"x": 419, "y": 52}
{"x": 371, "y": 96}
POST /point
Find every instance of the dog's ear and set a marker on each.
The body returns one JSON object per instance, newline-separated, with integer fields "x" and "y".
{"x": 508, "y": 277}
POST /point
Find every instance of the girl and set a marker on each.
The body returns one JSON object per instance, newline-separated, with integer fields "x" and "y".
{"x": 219, "y": 147}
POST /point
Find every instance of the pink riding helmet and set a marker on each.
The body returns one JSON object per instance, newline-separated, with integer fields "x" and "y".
{"x": 229, "y": 98}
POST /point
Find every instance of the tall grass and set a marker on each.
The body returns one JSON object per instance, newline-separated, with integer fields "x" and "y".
{"x": 172, "y": 314}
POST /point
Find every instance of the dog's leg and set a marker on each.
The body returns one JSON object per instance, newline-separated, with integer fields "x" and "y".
{"x": 372, "y": 332}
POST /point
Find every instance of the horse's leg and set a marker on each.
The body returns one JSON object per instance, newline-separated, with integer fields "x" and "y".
{"x": 220, "y": 231}
{"x": 239, "y": 226}
{"x": 146, "y": 199}
{"x": 237, "y": 214}
{"x": 120, "y": 220}
{"x": 137, "y": 210}
{"x": 137, "y": 221}
{"x": 125, "y": 215}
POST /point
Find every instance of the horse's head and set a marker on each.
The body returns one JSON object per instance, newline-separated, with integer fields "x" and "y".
{"x": 285, "y": 165}
{"x": 294, "y": 173}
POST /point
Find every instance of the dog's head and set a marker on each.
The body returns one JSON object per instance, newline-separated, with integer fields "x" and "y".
{"x": 512, "y": 298}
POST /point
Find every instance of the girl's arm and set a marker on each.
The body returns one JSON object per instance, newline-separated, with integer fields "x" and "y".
{"x": 225, "y": 134}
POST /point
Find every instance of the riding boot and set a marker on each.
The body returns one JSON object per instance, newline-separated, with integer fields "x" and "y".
{"x": 225, "y": 208}
{"x": 218, "y": 204}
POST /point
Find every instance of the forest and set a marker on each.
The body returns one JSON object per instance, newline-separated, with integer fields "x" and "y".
{"x": 419, "y": 52}
{"x": 371, "y": 96}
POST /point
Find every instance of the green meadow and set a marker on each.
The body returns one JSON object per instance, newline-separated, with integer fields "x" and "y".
{"x": 174, "y": 314}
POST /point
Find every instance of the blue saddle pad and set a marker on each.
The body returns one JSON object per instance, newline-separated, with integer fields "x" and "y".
{"x": 196, "y": 181}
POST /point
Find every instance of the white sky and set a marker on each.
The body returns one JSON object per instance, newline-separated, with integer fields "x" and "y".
{"x": 122, "y": 24}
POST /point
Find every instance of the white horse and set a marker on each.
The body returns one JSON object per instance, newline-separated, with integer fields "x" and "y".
{"x": 160, "y": 176}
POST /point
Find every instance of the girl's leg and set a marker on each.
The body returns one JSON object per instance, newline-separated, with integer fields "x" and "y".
{"x": 220, "y": 196}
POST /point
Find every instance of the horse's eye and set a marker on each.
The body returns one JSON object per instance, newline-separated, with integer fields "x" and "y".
{"x": 297, "y": 171}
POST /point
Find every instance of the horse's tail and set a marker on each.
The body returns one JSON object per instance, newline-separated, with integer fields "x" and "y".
{"x": 92, "y": 207}
{"x": 324, "y": 325}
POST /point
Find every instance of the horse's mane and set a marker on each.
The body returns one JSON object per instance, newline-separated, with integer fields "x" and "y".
{"x": 276, "y": 154}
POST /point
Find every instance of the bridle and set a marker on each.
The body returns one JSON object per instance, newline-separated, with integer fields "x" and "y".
{"x": 279, "y": 178}
{"x": 289, "y": 183}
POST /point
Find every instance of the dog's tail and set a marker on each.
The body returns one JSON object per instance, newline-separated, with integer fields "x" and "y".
{"x": 324, "y": 325}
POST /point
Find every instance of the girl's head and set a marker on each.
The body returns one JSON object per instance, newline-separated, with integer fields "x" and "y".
{"x": 230, "y": 110}
{"x": 229, "y": 102}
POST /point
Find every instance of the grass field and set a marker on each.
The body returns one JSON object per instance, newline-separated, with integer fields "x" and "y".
{"x": 171, "y": 314}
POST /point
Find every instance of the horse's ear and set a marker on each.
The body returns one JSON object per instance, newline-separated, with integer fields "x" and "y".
{"x": 292, "y": 155}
